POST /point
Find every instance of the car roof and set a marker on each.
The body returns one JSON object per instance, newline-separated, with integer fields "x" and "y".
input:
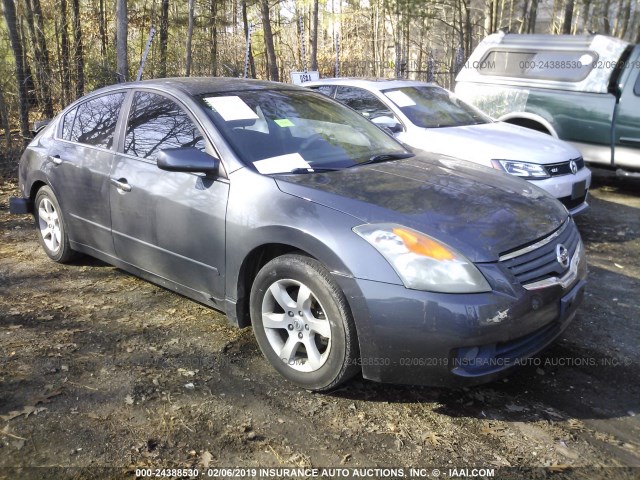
{"x": 200, "y": 85}
{"x": 368, "y": 83}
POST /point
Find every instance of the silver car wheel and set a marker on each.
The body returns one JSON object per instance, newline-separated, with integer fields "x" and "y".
{"x": 49, "y": 224}
{"x": 296, "y": 325}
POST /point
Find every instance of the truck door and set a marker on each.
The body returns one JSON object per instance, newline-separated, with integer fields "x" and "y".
{"x": 627, "y": 149}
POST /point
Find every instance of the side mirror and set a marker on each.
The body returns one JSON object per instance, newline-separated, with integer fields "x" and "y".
{"x": 188, "y": 159}
{"x": 388, "y": 123}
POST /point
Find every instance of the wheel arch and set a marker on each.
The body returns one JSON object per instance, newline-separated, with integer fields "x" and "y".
{"x": 283, "y": 241}
{"x": 530, "y": 120}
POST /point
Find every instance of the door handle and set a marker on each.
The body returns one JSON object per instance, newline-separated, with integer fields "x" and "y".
{"x": 121, "y": 184}
{"x": 55, "y": 159}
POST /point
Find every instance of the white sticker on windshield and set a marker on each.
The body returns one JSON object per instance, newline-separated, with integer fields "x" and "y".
{"x": 281, "y": 163}
{"x": 400, "y": 98}
{"x": 231, "y": 108}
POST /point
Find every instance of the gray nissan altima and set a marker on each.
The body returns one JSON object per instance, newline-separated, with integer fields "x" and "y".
{"x": 293, "y": 214}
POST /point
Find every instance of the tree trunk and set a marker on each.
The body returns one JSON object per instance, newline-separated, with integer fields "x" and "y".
{"x": 77, "y": 46}
{"x": 214, "y": 36}
{"x": 45, "y": 66}
{"x": 245, "y": 22}
{"x": 164, "y": 37}
{"x": 41, "y": 58}
{"x": 122, "y": 32}
{"x": 16, "y": 46}
{"x": 524, "y": 22}
{"x": 314, "y": 37}
{"x": 606, "y": 24}
{"x": 586, "y": 7}
{"x": 189, "y": 37}
{"x": 533, "y": 14}
{"x": 4, "y": 118}
{"x": 268, "y": 41}
{"x": 103, "y": 31}
{"x": 568, "y": 16}
{"x": 65, "y": 52}
{"x": 624, "y": 18}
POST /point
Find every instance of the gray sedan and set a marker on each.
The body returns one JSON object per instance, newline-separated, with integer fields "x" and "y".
{"x": 293, "y": 214}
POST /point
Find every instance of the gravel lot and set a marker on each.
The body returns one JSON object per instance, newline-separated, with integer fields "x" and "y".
{"x": 99, "y": 368}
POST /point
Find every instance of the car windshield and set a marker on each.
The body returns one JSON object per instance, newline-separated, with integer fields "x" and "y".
{"x": 433, "y": 107}
{"x": 284, "y": 131}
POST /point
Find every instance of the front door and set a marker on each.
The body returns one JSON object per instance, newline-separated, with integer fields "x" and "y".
{"x": 170, "y": 224}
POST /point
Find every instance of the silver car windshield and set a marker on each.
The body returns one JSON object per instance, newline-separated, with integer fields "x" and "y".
{"x": 284, "y": 131}
{"x": 433, "y": 107}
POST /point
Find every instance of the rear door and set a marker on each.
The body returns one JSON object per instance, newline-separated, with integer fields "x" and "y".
{"x": 170, "y": 224}
{"x": 81, "y": 159}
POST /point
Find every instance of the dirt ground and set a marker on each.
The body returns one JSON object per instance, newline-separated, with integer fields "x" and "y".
{"x": 101, "y": 369}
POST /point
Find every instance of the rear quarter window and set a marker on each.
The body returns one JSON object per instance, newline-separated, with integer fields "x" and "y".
{"x": 564, "y": 66}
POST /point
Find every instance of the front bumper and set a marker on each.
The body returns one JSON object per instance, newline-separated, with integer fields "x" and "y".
{"x": 413, "y": 337}
{"x": 571, "y": 190}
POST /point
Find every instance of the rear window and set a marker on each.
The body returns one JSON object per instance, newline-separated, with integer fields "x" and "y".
{"x": 565, "y": 66}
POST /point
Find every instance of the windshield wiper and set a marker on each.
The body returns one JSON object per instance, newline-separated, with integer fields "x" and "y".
{"x": 312, "y": 170}
{"x": 384, "y": 157}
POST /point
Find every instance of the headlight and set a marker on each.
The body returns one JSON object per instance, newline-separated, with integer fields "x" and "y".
{"x": 532, "y": 171}
{"x": 422, "y": 262}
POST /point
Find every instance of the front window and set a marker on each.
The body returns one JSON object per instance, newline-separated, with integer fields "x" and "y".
{"x": 156, "y": 123}
{"x": 280, "y": 131}
{"x": 433, "y": 107}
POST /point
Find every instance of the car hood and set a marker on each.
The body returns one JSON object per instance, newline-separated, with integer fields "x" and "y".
{"x": 486, "y": 142}
{"x": 476, "y": 210}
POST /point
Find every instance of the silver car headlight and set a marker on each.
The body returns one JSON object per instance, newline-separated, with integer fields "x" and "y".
{"x": 422, "y": 262}
{"x": 531, "y": 171}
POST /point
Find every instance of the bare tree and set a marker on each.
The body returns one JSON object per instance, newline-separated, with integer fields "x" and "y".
{"x": 40, "y": 54}
{"x": 568, "y": 16}
{"x": 122, "y": 32}
{"x": 314, "y": 36}
{"x": 77, "y": 47}
{"x": 245, "y": 22}
{"x": 16, "y": 46}
{"x": 164, "y": 37}
{"x": 65, "y": 49}
{"x": 213, "y": 32}
{"x": 268, "y": 41}
{"x": 189, "y": 37}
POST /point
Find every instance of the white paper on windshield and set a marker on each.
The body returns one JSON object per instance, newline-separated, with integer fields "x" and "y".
{"x": 281, "y": 163}
{"x": 400, "y": 98}
{"x": 231, "y": 108}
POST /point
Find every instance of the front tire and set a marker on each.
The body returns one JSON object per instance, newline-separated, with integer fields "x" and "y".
{"x": 52, "y": 231}
{"x": 303, "y": 324}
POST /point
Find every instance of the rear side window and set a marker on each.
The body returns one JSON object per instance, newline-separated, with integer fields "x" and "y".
{"x": 67, "y": 123}
{"x": 326, "y": 89}
{"x": 94, "y": 122}
{"x": 565, "y": 66}
{"x": 156, "y": 123}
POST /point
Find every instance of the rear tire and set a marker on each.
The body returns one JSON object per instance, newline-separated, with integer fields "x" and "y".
{"x": 303, "y": 324}
{"x": 51, "y": 227}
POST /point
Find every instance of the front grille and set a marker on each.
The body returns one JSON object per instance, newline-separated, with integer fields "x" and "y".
{"x": 572, "y": 203}
{"x": 541, "y": 262}
{"x": 564, "y": 168}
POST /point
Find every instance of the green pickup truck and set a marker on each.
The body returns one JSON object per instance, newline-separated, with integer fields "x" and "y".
{"x": 582, "y": 89}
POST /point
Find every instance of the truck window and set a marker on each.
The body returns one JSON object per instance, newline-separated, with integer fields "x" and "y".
{"x": 562, "y": 66}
